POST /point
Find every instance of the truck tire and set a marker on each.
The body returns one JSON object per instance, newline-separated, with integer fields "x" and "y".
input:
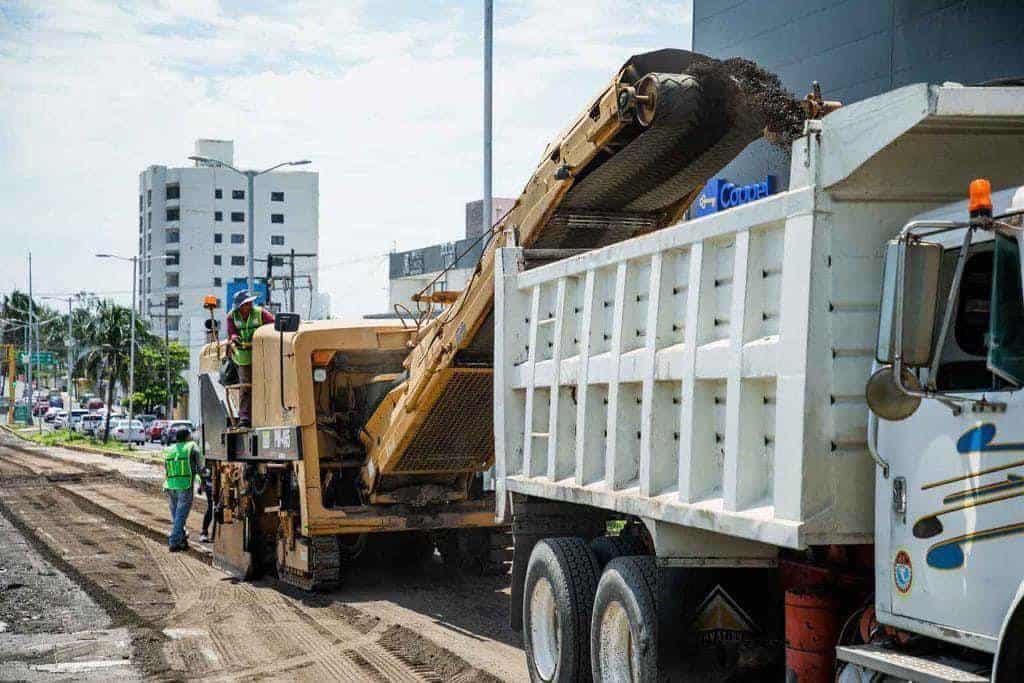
{"x": 559, "y": 593}
{"x": 625, "y": 620}
{"x": 607, "y": 548}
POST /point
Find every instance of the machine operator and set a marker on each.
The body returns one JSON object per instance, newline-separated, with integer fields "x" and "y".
{"x": 244, "y": 319}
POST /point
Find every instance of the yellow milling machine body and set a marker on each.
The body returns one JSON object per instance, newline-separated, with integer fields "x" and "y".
{"x": 386, "y": 426}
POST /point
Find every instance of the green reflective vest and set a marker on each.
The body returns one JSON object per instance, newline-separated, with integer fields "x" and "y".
{"x": 246, "y": 329}
{"x": 178, "y": 467}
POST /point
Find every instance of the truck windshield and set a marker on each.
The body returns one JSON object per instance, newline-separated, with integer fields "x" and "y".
{"x": 1006, "y": 326}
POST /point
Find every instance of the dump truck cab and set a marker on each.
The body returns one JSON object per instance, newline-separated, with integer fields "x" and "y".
{"x": 949, "y": 438}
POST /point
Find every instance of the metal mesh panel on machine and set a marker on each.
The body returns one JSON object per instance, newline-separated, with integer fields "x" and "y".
{"x": 457, "y": 435}
{"x": 592, "y": 229}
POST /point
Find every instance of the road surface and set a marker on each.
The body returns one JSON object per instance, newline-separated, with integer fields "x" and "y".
{"x": 98, "y": 596}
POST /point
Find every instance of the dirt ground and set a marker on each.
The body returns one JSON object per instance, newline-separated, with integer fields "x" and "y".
{"x": 82, "y": 542}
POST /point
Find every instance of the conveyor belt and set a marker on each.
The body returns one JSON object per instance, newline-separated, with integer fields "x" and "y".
{"x": 635, "y": 157}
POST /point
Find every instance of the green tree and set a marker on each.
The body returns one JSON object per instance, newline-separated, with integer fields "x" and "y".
{"x": 50, "y": 325}
{"x": 153, "y": 361}
{"x": 106, "y": 349}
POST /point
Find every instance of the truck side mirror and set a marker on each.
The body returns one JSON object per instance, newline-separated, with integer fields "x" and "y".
{"x": 921, "y": 267}
{"x": 286, "y": 322}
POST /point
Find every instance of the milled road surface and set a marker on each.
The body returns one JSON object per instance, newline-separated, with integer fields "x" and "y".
{"x": 95, "y": 526}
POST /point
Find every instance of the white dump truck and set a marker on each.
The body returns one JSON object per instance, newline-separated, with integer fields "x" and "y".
{"x": 696, "y": 485}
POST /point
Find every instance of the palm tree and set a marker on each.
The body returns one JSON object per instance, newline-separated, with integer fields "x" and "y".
{"x": 106, "y": 338}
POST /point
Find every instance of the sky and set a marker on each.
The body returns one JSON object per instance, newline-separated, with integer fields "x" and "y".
{"x": 385, "y": 97}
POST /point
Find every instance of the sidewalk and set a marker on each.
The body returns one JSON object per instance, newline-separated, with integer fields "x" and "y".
{"x": 24, "y": 433}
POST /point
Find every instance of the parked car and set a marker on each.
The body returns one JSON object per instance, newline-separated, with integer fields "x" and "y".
{"x": 146, "y": 420}
{"x": 51, "y": 414}
{"x": 156, "y": 429}
{"x": 89, "y": 424}
{"x": 60, "y": 420}
{"x": 94, "y": 404}
{"x": 76, "y": 416}
{"x": 170, "y": 431}
{"x": 128, "y": 431}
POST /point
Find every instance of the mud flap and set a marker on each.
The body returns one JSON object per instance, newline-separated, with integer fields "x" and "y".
{"x": 720, "y": 624}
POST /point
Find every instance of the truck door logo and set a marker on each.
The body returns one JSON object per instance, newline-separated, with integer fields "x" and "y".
{"x": 902, "y": 572}
{"x": 720, "y": 620}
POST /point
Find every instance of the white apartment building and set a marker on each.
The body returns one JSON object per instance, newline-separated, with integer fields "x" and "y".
{"x": 196, "y": 215}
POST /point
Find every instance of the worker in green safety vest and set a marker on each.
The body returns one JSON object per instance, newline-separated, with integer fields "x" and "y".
{"x": 181, "y": 465}
{"x": 243, "y": 321}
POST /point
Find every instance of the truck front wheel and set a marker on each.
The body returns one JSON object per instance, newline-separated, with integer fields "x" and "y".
{"x": 559, "y": 594}
{"x": 624, "y": 627}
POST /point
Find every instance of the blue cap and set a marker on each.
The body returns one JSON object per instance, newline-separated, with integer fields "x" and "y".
{"x": 241, "y": 298}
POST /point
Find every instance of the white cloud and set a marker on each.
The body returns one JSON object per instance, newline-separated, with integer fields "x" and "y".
{"x": 385, "y": 98}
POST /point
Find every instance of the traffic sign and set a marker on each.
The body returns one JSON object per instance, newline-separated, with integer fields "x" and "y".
{"x": 22, "y": 413}
{"x": 40, "y": 358}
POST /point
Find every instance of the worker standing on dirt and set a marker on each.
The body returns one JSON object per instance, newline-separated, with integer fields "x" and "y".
{"x": 244, "y": 319}
{"x": 181, "y": 464}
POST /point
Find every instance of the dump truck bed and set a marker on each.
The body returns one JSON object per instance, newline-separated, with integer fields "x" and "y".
{"x": 712, "y": 374}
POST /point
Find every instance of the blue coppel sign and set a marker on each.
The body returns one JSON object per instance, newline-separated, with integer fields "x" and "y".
{"x": 719, "y": 194}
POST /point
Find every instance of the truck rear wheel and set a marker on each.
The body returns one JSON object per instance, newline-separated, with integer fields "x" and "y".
{"x": 559, "y": 593}
{"x": 607, "y": 548}
{"x": 624, "y": 625}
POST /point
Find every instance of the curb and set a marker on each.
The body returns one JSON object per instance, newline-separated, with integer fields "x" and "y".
{"x": 138, "y": 457}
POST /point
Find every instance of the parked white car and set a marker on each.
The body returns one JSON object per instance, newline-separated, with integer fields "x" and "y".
{"x": 63, "y": 421}
{"x": 89, "y": 424}
{"x": 121, "y": 431}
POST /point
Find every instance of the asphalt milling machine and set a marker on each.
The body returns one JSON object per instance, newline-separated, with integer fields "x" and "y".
{"x": 382, "y": 431}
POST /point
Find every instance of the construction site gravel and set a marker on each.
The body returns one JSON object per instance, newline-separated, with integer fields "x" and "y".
{"x": 88, "y": 591}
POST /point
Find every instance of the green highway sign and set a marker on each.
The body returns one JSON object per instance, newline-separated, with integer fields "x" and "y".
{"x": 41, "y": 358}
{"x": 22, "y": 414}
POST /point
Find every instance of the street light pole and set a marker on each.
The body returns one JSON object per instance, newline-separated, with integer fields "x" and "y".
{"x": 250, "y": 177}
{"x": 251, "y": 236}
{"x": 31, "y": 391}
{"x": 488, "y": 211}
{"x": 131, "y": 367}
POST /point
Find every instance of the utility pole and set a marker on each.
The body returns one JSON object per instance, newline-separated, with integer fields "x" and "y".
{"x": 488, "y": 217}
{"x": 71, "y": 334}
{"x": 291, "y": 256}
{"x": 67, "y": 406}
{"x": 131, "y": 367}
{"x": 28, "y": 344}
{"x": 167, "y": 362}
{"x": 291, "y": 283}
{"x": 270, "y": 277}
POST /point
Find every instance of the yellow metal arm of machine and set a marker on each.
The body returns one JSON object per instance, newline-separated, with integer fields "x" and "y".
{"x": 630, "y": 163}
